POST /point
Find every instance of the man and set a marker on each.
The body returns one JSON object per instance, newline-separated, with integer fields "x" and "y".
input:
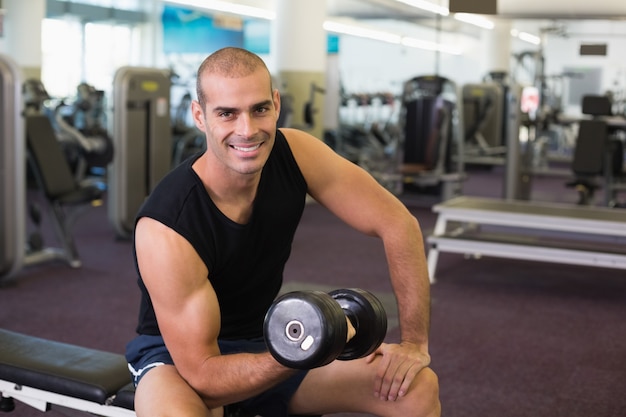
{"x": 211, "y": 243}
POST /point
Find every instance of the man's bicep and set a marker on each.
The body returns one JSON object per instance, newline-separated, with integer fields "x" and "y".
{"x": 184, "y": 301}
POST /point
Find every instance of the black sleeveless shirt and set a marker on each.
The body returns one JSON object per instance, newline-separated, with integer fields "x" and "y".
{"x": 245, "y": 262}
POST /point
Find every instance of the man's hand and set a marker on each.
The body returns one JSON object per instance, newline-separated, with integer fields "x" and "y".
{"x": 399, "y": 365}
{"x": 351, "y": 330}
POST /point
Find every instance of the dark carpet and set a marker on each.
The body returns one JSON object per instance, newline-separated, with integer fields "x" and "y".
{"x": 508, "y": 338}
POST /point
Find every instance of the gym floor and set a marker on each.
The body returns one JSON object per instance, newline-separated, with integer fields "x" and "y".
{"x": 508, "y": 338}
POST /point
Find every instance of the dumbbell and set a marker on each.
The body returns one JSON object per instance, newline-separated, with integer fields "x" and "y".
{"x": 308, "y": 329}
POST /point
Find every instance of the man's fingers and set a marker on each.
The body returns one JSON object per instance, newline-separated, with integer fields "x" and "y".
{"x": 397, "y": 369}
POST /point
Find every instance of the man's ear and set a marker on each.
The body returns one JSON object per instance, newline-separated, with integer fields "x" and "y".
{"x": 198, "y": 115}
{"x": 276, "y": 98}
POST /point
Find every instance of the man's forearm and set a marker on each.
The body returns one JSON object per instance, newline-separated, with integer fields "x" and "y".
{"x": 411, "y": 284}
{"x": 226, "y": 379}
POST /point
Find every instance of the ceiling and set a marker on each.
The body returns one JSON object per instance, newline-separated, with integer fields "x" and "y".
{"x": 512, "y": 9}
{"x": 541, "y": 14}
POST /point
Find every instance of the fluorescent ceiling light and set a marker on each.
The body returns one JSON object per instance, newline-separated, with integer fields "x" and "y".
{"x": 361, "y": 31}
{"x": 380, "y": 35}
{"x": 475, "y": 19}
{"x": 228, "y": 7}
{"x": 426, "y": 5}
{"x": 525, "y": 36}
{"x": 430, "y": 46}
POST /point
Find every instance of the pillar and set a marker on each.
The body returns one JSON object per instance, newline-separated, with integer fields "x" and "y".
{"x": 498, "y": 47}
{"x": 298, "y": 51}
{"x": 22, "y": 34}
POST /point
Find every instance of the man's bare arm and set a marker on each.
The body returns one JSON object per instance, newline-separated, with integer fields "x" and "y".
{"x": 188, "y": 314}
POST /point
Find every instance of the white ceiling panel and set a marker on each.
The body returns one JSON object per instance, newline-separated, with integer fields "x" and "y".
{"x": 563, "y": 9}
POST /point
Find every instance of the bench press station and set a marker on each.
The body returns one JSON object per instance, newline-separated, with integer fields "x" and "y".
{"x": 42, "y": 373}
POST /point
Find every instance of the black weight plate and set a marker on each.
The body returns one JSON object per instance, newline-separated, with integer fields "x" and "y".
{"x": 368, "y": 317}
{"x": 305, "y": 329}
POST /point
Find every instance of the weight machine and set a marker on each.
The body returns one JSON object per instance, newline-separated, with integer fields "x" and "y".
{"x": 29, "y": 136}
{"x": 142, "y": 142}
{"x": 432, "y": 126}
{"x": 483, "y": 118}
{"x": 12, "y": 178}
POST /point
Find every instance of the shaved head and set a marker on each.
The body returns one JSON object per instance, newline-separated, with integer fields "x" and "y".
{"x": 228, "y": 62}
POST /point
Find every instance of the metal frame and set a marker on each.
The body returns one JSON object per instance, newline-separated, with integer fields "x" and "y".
{"x": 578, "y": 235}
{"x": 41, "y": 400}
{"x": 12, "y": 169}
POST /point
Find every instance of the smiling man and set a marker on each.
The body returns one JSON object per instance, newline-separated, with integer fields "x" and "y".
{"x": 211, "y": 243}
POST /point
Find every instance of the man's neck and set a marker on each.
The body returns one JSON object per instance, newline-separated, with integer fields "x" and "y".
{"x": 233, "y": 193}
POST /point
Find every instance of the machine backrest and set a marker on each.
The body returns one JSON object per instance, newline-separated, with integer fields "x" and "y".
{"x": 47, "y": 158}
{"x": 590, "y": 147}
{"x": 595, "y": 105}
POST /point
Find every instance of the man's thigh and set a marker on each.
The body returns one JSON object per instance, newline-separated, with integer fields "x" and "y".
{"x": 349, "y": 387}
{"x": 162, "y": 391}
{"x": 340, "y": 386}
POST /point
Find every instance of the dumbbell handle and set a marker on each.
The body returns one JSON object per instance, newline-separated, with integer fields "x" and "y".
{"x": 368, "y": 317}
{"x": 351, "y": 328}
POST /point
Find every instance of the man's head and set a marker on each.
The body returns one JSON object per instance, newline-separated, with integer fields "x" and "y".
{"x": 236, "y": 109}
{"x": 229, "y": 62}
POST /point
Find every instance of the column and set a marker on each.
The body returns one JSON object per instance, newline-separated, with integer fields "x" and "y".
{"x": 498, "y": 47}
{"x": 22, "y": 34}
{"x": 298, "y": 51}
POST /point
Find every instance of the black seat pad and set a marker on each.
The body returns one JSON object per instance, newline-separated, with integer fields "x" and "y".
{"x": 61, "y": 368}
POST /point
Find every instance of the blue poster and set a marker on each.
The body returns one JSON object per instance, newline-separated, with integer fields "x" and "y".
{"x": 190, "y": 31}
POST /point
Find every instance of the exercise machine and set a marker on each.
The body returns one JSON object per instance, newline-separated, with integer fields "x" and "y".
{"x": 65, "y": 196}
{"x": 432, "y": 126}
{"x": 483, "y": 116}
{"x": 142, "y": 142}
{"x": 12, "y": 173}
{"x": 187, "y": 139}
{"x": 599, "y": 152}
{"x": 29, "y": 137}
{"x": 369, "y": 135}
{"x": 81, "y": 127}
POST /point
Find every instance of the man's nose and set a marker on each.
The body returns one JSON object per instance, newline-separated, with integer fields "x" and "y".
{"x": 246, "y": 125}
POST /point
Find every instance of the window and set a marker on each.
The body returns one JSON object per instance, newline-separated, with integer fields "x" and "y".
{"x": 75, "y": 52}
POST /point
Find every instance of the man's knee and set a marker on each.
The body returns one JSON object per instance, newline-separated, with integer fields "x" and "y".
{"x": 425, "y": 395}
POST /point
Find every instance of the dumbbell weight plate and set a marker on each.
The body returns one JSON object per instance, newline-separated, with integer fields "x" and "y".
{"x": 304, "y": 330}
{"x": 368, "y": 317}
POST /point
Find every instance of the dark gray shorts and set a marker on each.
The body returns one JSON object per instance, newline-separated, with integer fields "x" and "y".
{"x": 146, "y": 352}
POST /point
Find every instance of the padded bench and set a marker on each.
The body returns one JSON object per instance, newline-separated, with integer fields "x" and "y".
{"x": 538, "y": 231}
{"x": 41, "y": 373}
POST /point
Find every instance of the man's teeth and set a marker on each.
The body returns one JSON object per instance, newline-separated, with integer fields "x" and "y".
{"x": 247, "y": 148}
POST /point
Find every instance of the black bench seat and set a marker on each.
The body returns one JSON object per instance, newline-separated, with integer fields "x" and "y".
{"x": 60, "y": 368}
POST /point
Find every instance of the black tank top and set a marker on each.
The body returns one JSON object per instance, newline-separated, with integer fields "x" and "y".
{"x": 245, "y": 262}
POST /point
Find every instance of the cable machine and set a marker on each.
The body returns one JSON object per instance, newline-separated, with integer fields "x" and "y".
{"x": 142, "y": 139}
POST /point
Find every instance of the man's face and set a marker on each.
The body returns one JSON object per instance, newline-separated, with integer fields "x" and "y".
{"x": 239, "y": 120}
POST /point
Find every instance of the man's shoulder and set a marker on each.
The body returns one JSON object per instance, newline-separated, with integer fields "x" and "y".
{"x": 173, "y": 189}
{"x": 293, "y": 138}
